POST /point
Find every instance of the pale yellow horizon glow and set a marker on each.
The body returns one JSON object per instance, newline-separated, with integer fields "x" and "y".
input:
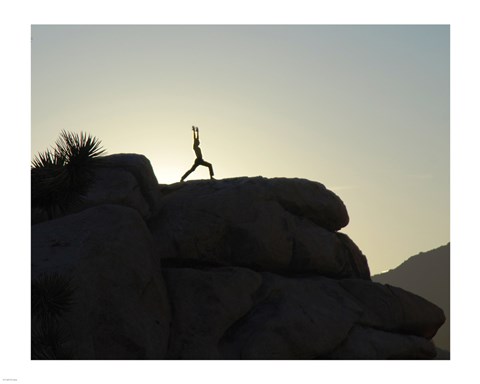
{"x": 363, "y": 110}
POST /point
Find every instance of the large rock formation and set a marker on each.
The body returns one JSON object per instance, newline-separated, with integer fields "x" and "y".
{"x": 245, "y": 268}
{"x": 278, "y": 225}
{"x": 426, "y": 274}
{"x": 235, "y": 313}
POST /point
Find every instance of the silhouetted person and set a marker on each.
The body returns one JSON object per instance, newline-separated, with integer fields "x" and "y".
{"x": 199, "y": 160}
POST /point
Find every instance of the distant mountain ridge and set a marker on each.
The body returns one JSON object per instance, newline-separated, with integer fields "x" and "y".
{"x": 428, "y": 275}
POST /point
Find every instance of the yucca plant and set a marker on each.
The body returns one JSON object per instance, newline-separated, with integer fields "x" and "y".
{"x": 62, "y": 175}
{"x": 52, "y": 297}
{"x": 48, "y": 341}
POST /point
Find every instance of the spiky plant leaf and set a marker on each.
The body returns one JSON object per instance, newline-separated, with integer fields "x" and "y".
{"x": 52, "y": 295}
{"x": 48, "y": 341}
{"x": 47, "y": 159}
{"x": 61, "y": 176}
{"x": 50, "y": 188}
{"x": 78, "y": 148}
{"x": 45, "y": 340}
{"x": 81, "y": 152}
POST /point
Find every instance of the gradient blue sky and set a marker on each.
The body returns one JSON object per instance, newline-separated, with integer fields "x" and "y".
{"x": 361, "y": 109}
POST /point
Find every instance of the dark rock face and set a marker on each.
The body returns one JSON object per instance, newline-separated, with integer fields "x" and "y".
{"x": 428, "y": 275}
{"x": 124, "y": 179}
{"x": 246, "y": 268}
{"x": 205, "y": 304}
{"x": 394, "y": 309}
{"x": 121, "y": 310}
{"x": 373, "y": 344}
{"x": 235, "y": 313}
{"x": 281, "y": 225}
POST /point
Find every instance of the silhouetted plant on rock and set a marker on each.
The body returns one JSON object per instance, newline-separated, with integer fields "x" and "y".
{"x": 52, "y": 297}
{"x": 62, "y": 175}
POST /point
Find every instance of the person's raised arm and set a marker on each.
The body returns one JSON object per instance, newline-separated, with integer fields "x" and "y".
{"x": 198, "y": 135}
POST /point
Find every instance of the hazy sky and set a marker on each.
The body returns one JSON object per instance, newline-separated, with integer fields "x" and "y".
{"x": 362, "y": 109}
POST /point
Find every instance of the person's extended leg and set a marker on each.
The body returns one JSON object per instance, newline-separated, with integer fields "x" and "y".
{"x": 210, "y": 167}
{"x": 194, "y": 166}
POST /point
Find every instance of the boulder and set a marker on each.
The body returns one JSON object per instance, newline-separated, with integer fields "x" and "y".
{"x": 280, "y": 225}
{"x": 205, "y": 303}
{"x": 365, "y": 343}
{"x": 120, "y": 306}
{"x": 236, "y": 313}
{"x": 394, "y": 309}
{"x": 123, "y": 179}
{"x": 310, "y": 200}
{"x": 293, "y": 318}
{"x": 426, "y": 274}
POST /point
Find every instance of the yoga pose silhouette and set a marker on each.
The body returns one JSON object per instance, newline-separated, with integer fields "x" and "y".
{"x": 199, "y": 160}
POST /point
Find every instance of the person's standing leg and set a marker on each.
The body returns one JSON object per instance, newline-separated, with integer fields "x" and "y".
{"x": 209, "y": 166}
